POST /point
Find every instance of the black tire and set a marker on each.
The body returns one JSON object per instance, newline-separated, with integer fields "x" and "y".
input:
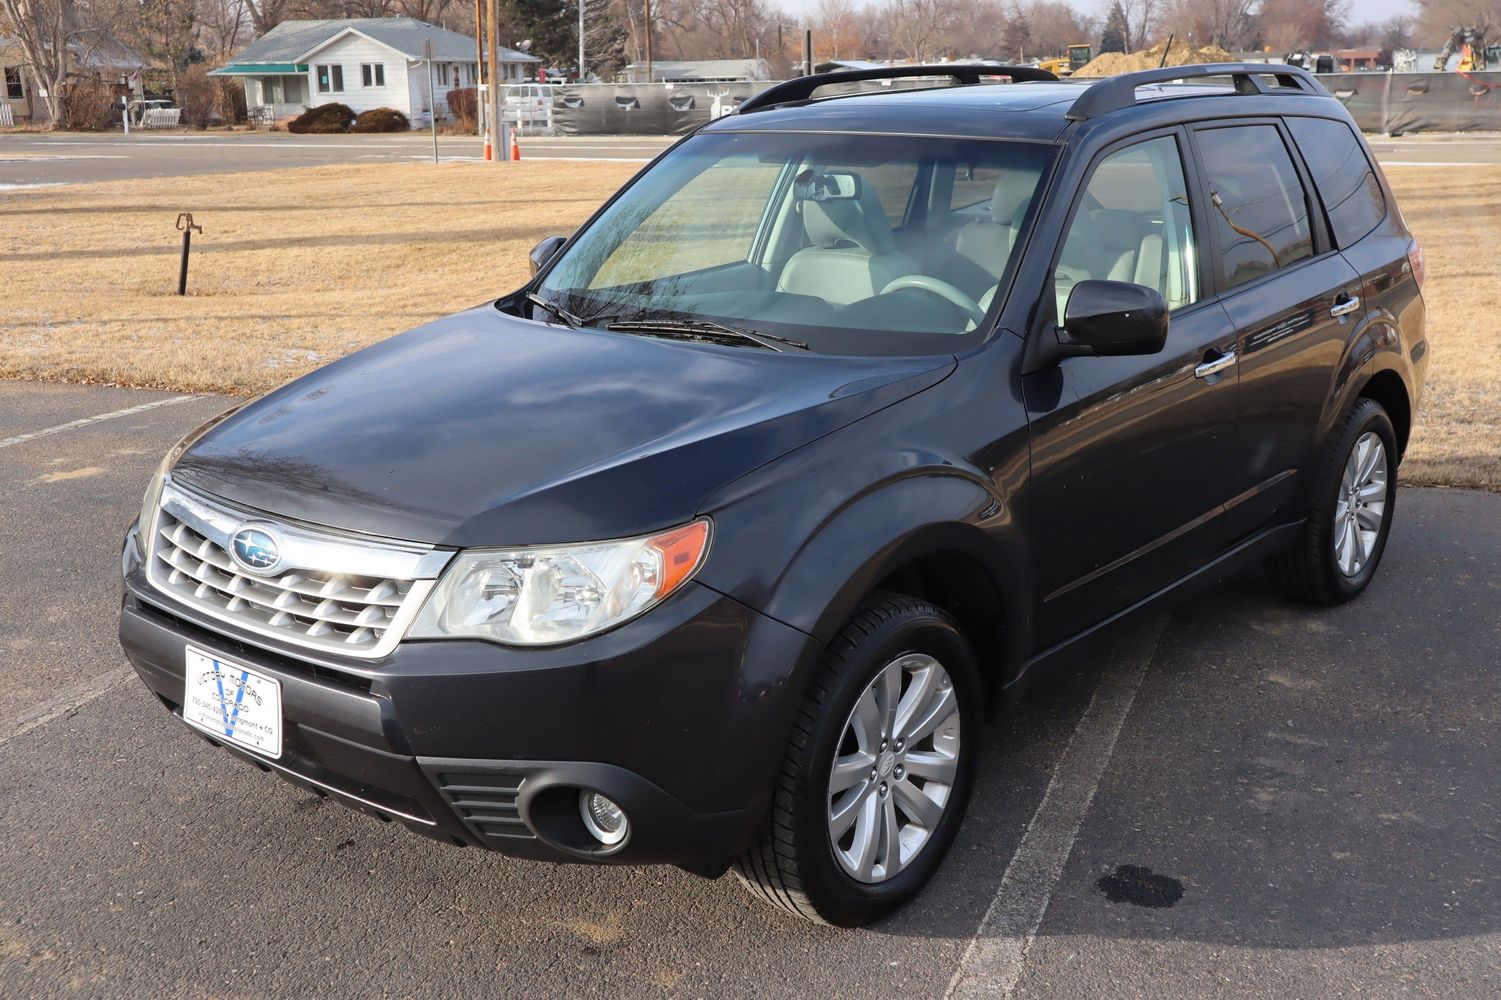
{"x": 1309, "y": 570}
{"x": 791, "y": 864}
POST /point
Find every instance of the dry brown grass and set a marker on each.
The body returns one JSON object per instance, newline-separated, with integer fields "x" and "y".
{"x": 294, "y": 268}
{"x": 1456, "y": 214}
{"x": 298, "y": 267}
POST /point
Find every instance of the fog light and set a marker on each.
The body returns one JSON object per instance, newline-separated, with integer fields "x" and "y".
{"x": 603, "y": 818}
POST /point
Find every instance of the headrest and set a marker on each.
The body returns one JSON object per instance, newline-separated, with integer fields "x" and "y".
{"x": 860, "y": 220}
{"x": 1013, "y": 194}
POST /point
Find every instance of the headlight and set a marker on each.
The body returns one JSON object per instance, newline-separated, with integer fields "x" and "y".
{"x": 153, "y": 498}
{"x": 543, "y": 595}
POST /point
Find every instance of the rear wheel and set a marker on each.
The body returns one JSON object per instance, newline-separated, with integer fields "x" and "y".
{"x": 1345, "y": 535}
{"x": 874, "y": 785}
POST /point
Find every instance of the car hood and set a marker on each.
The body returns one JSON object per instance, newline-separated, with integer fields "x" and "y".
{"x": 482, "y": 429}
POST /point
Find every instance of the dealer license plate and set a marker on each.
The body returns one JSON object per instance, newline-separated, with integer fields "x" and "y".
{"x": 233, "y": 702}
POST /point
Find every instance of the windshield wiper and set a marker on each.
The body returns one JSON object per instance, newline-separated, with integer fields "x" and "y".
{"x": 703, "y": 329}
{"x": 567, "y": 318}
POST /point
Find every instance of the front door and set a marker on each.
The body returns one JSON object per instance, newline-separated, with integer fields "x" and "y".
{"x": 1130, "y": 455}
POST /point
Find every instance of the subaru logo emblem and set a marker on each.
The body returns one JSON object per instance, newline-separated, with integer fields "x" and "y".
{"x": 255, "y": 549}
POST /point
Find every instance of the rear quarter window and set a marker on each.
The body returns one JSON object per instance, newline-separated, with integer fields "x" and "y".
{"x": 1344, "y": 176}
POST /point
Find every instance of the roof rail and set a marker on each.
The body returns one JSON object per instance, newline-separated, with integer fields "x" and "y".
{"x": 801, "y": 88}
{"x": 1116, "y": 92}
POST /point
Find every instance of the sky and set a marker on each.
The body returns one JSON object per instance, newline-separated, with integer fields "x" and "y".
{"x": 1361, "y": 11}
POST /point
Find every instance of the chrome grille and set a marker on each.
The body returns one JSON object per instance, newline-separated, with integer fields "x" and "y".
{"x": 332, "y": 592}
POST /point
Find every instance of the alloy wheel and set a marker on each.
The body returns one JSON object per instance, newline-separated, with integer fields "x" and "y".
{"x": 1360, "y": 507}
{"x": 894, "y": 769}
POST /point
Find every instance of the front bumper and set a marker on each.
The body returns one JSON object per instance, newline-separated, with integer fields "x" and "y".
{"x": 681, "y": 717}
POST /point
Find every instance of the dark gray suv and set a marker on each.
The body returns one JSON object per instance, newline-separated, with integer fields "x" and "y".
{"x": 715, "y": 543}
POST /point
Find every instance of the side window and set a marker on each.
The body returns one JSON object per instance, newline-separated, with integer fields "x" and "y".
{"x": 1257, "y": 201}
{"x": 1133, "y": 224}
{"x": 892, "y": 183}
{"x": 973, "y": 185}
{"x": 1342, "y": 173}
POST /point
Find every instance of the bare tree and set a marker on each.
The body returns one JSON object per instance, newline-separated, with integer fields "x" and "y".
{"x": 224, "y": 27}
{"x": 46, "y": 31}
{"x": 1297, "y": 25}
{"x": 1229, "y": 24}
{"x": 918, "y": 27}
{"x": 1141, "y": 19}
{"x": 1437, "y": 19}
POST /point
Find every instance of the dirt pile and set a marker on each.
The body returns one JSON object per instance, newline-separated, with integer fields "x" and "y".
{"x": 1181, "y": 54}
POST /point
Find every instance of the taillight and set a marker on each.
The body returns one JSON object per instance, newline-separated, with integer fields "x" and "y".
{"x": 1415, "y": 260}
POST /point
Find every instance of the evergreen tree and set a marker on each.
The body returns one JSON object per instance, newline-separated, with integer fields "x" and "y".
{"x": 1018, "y": 34}
{"x": 1113, "y": 39}
{"x": 552, "y": 27}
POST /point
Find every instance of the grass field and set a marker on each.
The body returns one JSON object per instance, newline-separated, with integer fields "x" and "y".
{"x": 297, "y": 267}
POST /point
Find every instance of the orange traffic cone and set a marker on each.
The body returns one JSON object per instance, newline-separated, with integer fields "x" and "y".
{"x": 489, "y": 153}
{"x": 515, "y": 147}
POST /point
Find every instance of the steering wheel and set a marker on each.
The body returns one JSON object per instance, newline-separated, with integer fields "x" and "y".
{"x": 942, "y": 289}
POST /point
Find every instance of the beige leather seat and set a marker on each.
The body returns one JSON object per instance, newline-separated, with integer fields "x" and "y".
{"x": 1116, "y": 245}
{"x": 853, "y": 255}
{"x": 979, "y": 249}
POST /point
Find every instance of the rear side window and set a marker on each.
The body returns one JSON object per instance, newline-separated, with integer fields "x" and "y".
{"x": 1342, "y": 173}
{"x": 1257, "y": 201}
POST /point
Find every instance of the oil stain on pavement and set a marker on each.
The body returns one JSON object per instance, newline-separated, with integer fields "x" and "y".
{"x": 1138, "y": 886}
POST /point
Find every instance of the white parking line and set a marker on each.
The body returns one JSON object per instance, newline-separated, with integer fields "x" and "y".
{"x": 1432, "y": 163}
{"x": 67, "y": 702}
{"x": 85, "y": 421}
{"x": 993, "y": 961}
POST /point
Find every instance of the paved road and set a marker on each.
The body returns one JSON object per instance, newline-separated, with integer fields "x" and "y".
{"x": 1320, "y": 785}
{"x": 28, "y": 159}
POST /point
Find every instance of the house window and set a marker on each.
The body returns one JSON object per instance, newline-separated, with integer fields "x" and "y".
{"x": 14, "y": 88}
{"x": 330, "y": 79}
{"x": 373, "y": 74}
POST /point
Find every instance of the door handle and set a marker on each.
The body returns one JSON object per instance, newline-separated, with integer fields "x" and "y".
{"x": 1345, "y": 305}
{"x": 1215, "y": 365}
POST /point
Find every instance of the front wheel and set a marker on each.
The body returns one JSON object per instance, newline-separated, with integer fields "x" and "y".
{"x": 1345, "y": 535}
{"x": 874, "y": 785}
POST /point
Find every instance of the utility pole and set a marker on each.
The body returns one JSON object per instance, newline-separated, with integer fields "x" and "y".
{"x": 432, "y": 93}
{"x": 580, "y": 77}
{"x": 808, "y": 52}
{"x": 492, "y": 40}
{"x": 647, "y": 18}
{"x": 479, "y": 63}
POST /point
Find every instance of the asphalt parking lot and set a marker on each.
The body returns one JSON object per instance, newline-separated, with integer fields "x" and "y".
{"x": 31, "y": 158}
{"x": 1314, "y": 792}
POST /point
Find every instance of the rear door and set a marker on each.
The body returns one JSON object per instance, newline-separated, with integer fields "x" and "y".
{"x": 1295, "y": 304}
{"x": 1372, "y": 238}
{"x": 1130, "y": 455}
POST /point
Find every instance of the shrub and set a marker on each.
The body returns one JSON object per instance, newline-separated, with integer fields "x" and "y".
{"x": 88, "y": 106}
{"x": 463, "y": 105}
{"x": 325, "y": 119}
{"x": 199, "y": 96}
{"x": 381, "y": 120}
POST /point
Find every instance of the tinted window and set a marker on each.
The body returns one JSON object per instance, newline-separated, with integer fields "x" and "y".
{"x": 1342, "y": 173}
{"x": 1256, "y": 200}
{"x": 1133, "y": 224}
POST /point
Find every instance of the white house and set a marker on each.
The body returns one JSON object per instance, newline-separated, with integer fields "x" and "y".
{"x": 364, "y": 63}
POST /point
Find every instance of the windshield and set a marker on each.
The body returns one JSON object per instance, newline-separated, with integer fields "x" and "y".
{"x": 848, "y": 244}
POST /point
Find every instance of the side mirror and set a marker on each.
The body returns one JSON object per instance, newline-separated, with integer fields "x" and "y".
{"x": 1113, "y": 318}
{"x": 545, "y": 251}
